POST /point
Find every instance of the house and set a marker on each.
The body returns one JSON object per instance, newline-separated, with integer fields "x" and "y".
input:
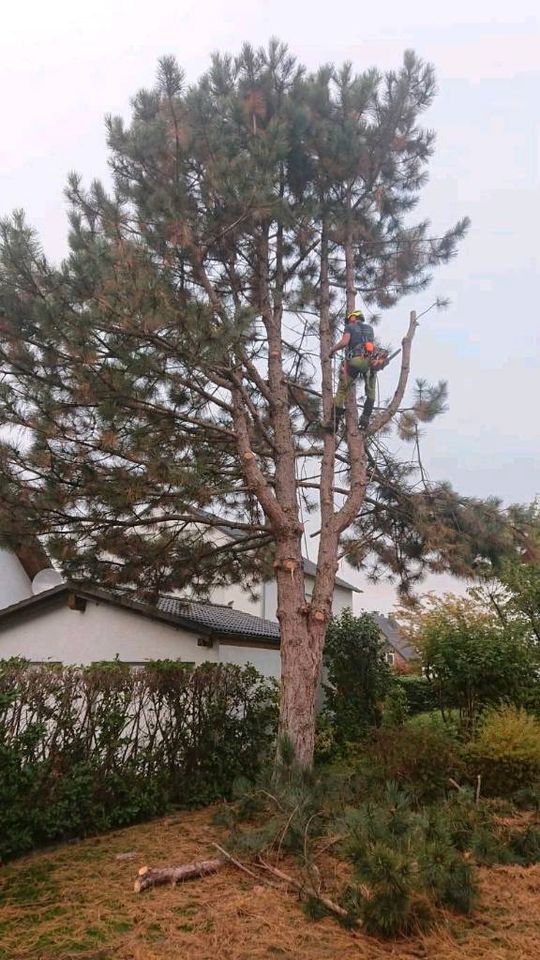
{"x": 400, "y": 654}
{"x": 80, "y": 624}
{"x": 264, "y": 603}
{"x": 45, "y": 619}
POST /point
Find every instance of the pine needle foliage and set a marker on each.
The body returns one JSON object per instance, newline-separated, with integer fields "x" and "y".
{"x": 119, "y": 364}
{"x": 409, "y": 858}
{"x": 173, "y": 375}
{"x": 405, "y": 859}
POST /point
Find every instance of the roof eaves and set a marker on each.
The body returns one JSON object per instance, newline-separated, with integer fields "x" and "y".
{"x": 89, "y": 592}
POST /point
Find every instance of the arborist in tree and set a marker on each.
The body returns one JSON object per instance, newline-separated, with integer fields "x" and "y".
{"x": 362, "y": 357}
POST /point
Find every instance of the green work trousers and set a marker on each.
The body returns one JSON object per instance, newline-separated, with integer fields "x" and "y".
{"x": 348, "y": 373}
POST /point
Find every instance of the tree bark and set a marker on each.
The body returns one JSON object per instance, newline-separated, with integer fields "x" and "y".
{"x": 300, "y": 653}
{"x": 155, "y": 877}
{"x": 302, "y": 624}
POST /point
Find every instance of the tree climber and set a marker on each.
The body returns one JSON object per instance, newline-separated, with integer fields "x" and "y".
{"x": 362, "y": 357}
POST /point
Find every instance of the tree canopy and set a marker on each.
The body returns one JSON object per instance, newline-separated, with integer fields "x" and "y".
{"x": 173, "y": 373}
{"x": 118, "y": 364}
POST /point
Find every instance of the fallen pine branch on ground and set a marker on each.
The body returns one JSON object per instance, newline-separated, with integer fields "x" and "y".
{"x": 242, "y": 866}
{"x": 155, "y": 877}
{"x": 303, "y": 890}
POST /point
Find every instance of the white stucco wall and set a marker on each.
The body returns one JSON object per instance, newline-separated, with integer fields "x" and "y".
{"x": 14, "y": 583}
{"x": 266, "y": 662}
{"x": 100, "y": 633}
{"x": 342, "y": 598}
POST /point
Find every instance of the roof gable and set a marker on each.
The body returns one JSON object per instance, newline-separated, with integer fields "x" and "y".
{"x": 393, "y": 636}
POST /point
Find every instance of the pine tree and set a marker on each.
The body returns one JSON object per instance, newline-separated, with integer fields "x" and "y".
{"x": 168, "y": 377}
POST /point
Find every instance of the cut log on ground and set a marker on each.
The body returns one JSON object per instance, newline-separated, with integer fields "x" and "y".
{"x": 155, "y": 877}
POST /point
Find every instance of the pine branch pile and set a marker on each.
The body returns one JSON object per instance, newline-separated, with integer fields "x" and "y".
{"x": 386, "y": 863}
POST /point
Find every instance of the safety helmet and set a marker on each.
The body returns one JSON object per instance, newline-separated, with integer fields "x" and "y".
{"x": 355, "y": 315}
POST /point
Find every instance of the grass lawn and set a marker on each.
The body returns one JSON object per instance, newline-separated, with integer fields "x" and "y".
{"x": 77, "y": 901}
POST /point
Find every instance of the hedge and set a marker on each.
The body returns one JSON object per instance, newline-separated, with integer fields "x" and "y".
{"x": 84, "y": 750}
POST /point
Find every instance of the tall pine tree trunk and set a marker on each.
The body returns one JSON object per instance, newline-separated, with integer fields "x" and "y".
{"x": 303, "y": 625}
{"x": 301, "y": 649}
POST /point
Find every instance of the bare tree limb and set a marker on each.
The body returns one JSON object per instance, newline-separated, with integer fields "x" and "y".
{"x": 406, "y": 344}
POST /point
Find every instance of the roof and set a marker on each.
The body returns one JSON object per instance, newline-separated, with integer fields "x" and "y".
{"x": 202, "y": 618}
{"x": 393, "y": 636}
{"x": 219, "y": 619}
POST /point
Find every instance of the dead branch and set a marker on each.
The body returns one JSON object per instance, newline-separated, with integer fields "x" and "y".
{"x": 385, "y": 416}
{"x": 155, "y": 877}
{"x": 303, "y": 890}
{"x": 241, "y": 866}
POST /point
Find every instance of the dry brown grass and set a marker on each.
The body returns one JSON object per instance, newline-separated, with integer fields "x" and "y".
{"x": 77, "y": 903}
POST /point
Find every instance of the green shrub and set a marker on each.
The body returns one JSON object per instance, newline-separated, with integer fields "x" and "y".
{"x": 473, "y": 660}
{"x": 422, "y": 759}
{"x": 506, "y": 752}
{"x": 528, "y": 798}
{"x": 525, "y": 845}
{"x": 451, "y": 725}
{"x": 406, "y": 864}
{"x": 421, "y": 694}
{"x": 86, "y": 750}
{"x": 358, "y": 676}
{"x": 326, "y": 748}
{"x": 395, "y": 707}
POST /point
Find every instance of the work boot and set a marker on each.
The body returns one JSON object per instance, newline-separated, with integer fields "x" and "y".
{"x": 366, "y": 413}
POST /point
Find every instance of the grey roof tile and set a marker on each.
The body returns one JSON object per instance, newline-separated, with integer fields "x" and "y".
{"x": 218, "y": 618}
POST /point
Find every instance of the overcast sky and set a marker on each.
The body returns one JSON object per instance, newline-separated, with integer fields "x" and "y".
{"x": 64, "y": 65}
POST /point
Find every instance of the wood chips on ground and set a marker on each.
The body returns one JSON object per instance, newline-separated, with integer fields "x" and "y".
{"x": 77, "y": 903}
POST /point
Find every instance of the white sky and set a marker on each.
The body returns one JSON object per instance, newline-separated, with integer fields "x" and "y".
{"x": 64, "y": 65}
